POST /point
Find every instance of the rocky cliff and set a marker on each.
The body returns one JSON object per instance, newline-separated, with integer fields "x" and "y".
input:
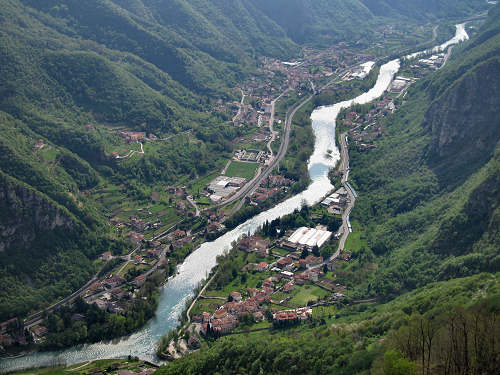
{"x": 464, "y": 123}
{"x": 27, "y": 215}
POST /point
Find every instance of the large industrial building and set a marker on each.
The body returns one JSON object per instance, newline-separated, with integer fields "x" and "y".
{"x": 310, "y": 237}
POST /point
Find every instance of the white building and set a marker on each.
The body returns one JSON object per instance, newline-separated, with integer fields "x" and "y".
{"x": 310, "y": 237}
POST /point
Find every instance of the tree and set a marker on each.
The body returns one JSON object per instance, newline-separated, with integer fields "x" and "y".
{"x": 304, "y": 254}
{"x": 396, "y": 364}
{"x": 315, "y": 250}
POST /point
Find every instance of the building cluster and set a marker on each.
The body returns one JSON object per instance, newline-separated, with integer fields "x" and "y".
{"x": 360, "y": 72}
{"x": 133, "y": 136}
{"x": 262, "y": 194}
{"x": 140, "y": 225}
{"x": 256, "y": 156}
{"x": 433, "y": 62}
{"x": 399, "y": 84}
{"x": 291, "y": 317}
{"x": 254, "y": 244}
{"x": 310, "y": 237}
{"x": 227, "y": 317}
{"x": 222, "y": 187}
{"x": 336, "y": 202}
{"x": 11, "y": 333}
{"x": 178, "y": 238}
{"x": 365, "y": 128}
{"x": 113, "y": 293}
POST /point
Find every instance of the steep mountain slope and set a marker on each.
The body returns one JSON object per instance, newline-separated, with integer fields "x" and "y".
{"x": 430, "y": 194}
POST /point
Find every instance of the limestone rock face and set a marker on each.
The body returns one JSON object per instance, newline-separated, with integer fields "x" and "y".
{"x": 465, "y": 122}
{"x": 26, "y": 214}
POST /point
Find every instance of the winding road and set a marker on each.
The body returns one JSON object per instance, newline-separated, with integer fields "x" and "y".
{"x": 345, "y": 228}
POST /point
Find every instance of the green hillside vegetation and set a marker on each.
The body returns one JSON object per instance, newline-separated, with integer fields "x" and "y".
{"x": 429, "y": 193}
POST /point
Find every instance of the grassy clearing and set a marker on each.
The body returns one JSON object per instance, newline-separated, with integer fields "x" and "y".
{"x": 241, "y": 169}
{"x": 280, "y": 251}
{"x": 49, "y": 153}
{"x": 260, "y": 325}
{"x": 356, "y": 240}
{"x": 208, "y": 305}
{"x": 307, "y": 293}
{"x": 325, "y": 312}
{"x": 202, "y": 200}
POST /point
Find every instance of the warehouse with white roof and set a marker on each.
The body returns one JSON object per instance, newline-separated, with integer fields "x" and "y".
{"x": 310, "y": 237}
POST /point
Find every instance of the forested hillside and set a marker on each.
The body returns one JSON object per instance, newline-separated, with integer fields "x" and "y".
{"x": 429, "y": 197}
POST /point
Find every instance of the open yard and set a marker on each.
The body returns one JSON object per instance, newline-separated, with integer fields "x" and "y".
{"x": 355, "y": 241}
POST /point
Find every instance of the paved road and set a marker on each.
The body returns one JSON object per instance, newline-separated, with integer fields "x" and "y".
{"x": 188, "y": 312}
{"x": 193, "y": 203}
{"x": 240, "y": 106}
{"x": 128, "y": 257}
{"x": 131, "y": 152}
{"x": 37, "y": 318}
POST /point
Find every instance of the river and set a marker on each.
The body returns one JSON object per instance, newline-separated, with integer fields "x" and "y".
{"x": 178, "y": 290}
{"x": 460, "y": 36}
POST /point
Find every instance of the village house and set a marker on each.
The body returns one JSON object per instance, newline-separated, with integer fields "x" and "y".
{"x": 139, "y": 280}
{"x": 138, "y": 260}
{"x": 291, "y": 317}
{"x": 38, "y": 332}
{"x": 136, "y": 238}
{"x": 113, "y": 282}
{"x": 283, "y": 262}
{"x": 277, "y": 181}
{"x": 236, "y": 296}
{"x": 261, "y": 267}
{"x": 288, "y": 287}
{"x": 117, "y": 293}
{"x": 9, "y": 325}
{"x": 345, "y": 256}
{"x": 253, "y": 243}
{"x": 113, "y": 308}
{"x": 101, "y": 303}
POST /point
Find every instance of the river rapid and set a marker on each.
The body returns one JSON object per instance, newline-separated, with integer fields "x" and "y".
{"x": 196, "y": 267}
